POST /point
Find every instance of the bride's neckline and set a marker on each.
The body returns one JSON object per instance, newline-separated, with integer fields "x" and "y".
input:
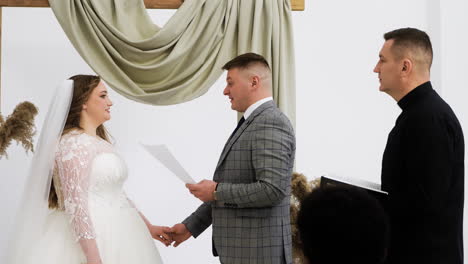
{"x": 82, "y": 132}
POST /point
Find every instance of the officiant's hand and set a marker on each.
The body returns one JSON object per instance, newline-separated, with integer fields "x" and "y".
{"x": 162, "y": 233}
{"x": 180, "y": 233}
{"x": 203, "y": 190}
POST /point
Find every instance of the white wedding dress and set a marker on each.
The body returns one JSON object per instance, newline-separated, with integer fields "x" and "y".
{"x": 95, "y": 218}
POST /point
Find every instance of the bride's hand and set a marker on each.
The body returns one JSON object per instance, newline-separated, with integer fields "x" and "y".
{"x": 161, "y": 233}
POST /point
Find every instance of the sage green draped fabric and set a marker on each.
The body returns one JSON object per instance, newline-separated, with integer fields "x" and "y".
{"x": 180, "y": 61}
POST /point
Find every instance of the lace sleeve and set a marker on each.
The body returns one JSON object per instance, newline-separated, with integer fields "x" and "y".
{"x": 74, "y": 159}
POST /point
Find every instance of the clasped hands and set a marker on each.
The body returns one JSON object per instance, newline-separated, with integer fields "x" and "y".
{"x": 179, "y": 233}
{"x": 168, "y": 235}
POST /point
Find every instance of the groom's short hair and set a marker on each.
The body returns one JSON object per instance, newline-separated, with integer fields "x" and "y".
{"x": 245, "y": 61}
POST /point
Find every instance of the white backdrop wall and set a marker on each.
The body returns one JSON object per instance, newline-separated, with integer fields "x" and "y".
{"x": 342, "y": 119}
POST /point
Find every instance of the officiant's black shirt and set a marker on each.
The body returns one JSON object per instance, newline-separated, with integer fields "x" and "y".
{"x": 423, "y": 172}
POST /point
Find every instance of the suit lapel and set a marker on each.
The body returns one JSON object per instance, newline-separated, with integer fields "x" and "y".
{"x": 241, "y": 129}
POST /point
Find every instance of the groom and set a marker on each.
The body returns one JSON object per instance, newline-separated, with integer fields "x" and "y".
{"x": 249, "y": 198}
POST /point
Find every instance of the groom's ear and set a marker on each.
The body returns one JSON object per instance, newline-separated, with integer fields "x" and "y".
{"x": 254, "y": 81}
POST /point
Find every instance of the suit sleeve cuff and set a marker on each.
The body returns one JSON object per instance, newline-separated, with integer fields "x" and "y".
{"x": 193, "y": 224}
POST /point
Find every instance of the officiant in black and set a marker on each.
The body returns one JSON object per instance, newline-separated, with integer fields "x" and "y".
{"x": 423, "y": 162}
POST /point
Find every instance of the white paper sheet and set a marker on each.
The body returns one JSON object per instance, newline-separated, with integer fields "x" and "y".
{"x": 162, "y": 153}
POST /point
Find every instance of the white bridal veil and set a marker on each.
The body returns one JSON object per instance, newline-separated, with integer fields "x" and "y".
{"x": 33, "y": 206}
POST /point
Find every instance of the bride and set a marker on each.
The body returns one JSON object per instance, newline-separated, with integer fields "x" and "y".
{"x": 86, "y": 216}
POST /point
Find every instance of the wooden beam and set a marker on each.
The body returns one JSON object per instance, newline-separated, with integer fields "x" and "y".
{"x": 296, "y": 5}
{"x": 24, "y": 3}
{"x": 156, "y": 4}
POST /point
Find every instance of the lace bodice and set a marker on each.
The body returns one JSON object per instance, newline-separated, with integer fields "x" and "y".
{"x": 89, "y": 173}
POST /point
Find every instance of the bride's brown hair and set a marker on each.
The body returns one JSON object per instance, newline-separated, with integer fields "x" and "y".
{"x": 83, "y": 86}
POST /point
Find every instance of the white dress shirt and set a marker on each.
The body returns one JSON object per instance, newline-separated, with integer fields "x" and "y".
{"x": 255, "y": 105}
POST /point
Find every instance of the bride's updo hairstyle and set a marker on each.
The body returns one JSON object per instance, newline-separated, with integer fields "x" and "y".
{"x": 83, "y": 86}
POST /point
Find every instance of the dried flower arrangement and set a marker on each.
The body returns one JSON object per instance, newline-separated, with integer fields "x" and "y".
{"x": 18, "y": 126}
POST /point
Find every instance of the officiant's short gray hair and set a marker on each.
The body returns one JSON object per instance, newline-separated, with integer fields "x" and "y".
{"x": 413, "y": 42}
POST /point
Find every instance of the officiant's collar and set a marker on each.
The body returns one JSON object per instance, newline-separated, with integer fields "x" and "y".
{"x": 255, "y": 105}
{"x": 416, "y": 95}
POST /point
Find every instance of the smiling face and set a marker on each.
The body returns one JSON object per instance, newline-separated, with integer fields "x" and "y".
{"x": 389, "y": 68}
{"x": 98, "y": 105}
{"x": 238, "y": 89}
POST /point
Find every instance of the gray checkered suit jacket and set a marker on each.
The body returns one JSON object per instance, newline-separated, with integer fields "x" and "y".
{"x": 251, "y": 222}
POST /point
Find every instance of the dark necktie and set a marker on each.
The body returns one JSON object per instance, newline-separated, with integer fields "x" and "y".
{"x": 241, "y": 121}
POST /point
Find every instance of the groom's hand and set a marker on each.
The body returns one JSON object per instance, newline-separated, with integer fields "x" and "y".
{"x": 162, "y": 233}
{"x": 179, "y": 233}
{"x": 203, "y": 190}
